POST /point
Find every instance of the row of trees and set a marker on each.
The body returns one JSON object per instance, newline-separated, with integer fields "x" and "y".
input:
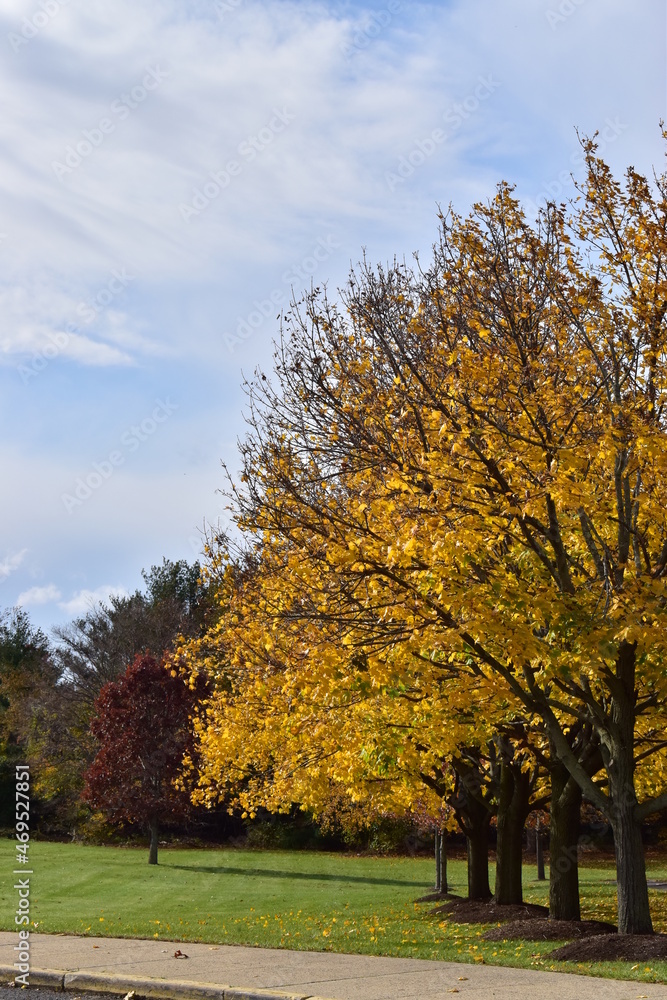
{"x": 448, "y": 597}
{"x": 105, "y": 724}
{"x": 57, "y": 698}
{"x": 450, "y": 584}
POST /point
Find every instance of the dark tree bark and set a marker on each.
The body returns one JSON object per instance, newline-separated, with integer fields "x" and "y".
{"x": 614, "y": 724}
{"x": 444, "y": 884}
{"x": 152, "y": 851}
{"x": 513, "y": 809}
{"x": 539, "y": 852}
{"x": 473, "y": 805}
{"x": 477, "y": 840}
{"x": 438, "y": 868}
{"x": 634, "y": 914}
{"x": 563, "y": 838}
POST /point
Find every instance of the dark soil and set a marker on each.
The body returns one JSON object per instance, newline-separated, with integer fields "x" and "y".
{"x": 471, "y": 911}
{"x": 435, "y": 897}
{"x": 548, "y": 930}
{"x": 609, "y": 947}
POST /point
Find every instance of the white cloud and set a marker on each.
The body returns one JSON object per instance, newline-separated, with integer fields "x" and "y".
{"x": 39, "y": 595}
{"x": 222, "y": 84}
{"x": 145, "y": 299}
{"x": 216, "y": 84}
{"x": 84, "y": 600}
{"x": 41, "y": 320}
{"x": 11, "y": 563}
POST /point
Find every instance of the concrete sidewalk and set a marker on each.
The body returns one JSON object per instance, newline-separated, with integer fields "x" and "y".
{"x": 312, "y": 974}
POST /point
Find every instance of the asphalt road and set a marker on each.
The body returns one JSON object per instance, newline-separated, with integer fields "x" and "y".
{"x": 41, "y": 993}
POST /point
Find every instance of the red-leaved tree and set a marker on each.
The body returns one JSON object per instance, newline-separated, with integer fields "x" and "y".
{"x": 143, "y": 724}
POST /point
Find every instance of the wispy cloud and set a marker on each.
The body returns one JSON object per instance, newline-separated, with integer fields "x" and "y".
{"x": 11, "y": 563}
{"x": 39, "y": 595}
{"x": 138, "y": 156}
{"x": 84, "y": 600}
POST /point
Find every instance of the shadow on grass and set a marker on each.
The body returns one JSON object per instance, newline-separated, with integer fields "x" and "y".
{"x": 294, "y": 875}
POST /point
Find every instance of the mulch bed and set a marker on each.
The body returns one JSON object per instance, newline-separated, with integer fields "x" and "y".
{"x": 473, "y": 911}
{"x": 589, "y": 940}
{"x": 548, "y": 930}
{"x": 435, "y": 897}
{"x": 610, "y": 947}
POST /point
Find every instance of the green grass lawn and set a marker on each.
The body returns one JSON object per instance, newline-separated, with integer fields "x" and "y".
{"x": 278, "y": 899}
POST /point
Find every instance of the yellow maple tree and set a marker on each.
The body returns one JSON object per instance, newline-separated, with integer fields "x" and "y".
{"x": 457, "y": 480}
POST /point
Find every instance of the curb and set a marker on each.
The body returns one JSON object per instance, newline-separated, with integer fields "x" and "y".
{"x": 165, "y": 989}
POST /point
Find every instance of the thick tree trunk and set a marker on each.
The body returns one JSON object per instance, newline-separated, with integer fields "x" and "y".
{"x": 563, "y": 838}
{"x": 474, "y": 813}
{"x": 513, "y": 810}
{"x": 615, "y": 729}
{"x": 152, "y": 851}
{"x": 478, "y": 861}
{"x": 634, "y": 914}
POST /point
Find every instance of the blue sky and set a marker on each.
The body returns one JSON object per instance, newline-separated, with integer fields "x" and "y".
{"x": 172, "y": 169}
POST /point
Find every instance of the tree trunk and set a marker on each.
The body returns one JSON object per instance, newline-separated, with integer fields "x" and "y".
{"x": 438, "y": 868}
{"x": 152, "y": 851}
{"x": 563, "y": 838}
{"x": 634, "y": 914}
{"x": 472, "y": 804}
{"x": 478, "y": 861}
{"x": 444, "y": 885}
{"x": 539, "y": 851}
{"x": 513, "y": 810}
{"x": 615, "y": 729}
